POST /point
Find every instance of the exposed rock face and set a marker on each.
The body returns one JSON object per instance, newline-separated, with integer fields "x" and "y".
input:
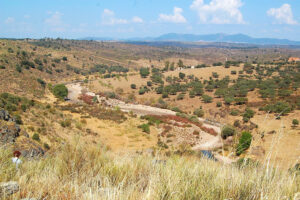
{"x": 9, "y": 133}
{"x": 9, "y": 130}
{"x": 4, "y": 115}
{"x": 28, "y": 148}
{"x": 8, "y": 188}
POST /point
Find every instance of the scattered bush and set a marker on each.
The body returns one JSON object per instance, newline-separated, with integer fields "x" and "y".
{"x": 295, "y": 122}
{"x": 66, "y": 123}
{"x": 206, "y": 98}
{"x": 46, "y": 146}
{"x": 234, "y": 112}
{"x": 42, "y": 82}
{"x": 199, "y": 112}
{"x": 145, "y": 128}
{"x": 36, "y": 137}
{"x": 227, "y": 131}
{"x": 180, "y": 96}
{"x": 133, "y": 86}
{"x": 142, "y": 91}
{"x": 144, "y": 72}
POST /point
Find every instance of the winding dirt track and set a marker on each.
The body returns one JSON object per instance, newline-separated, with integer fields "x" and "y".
{"x": 75, "y": 90}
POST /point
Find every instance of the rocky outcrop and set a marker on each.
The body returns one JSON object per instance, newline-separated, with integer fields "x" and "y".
{"x": 8, "y": 133}
{"x": 28, "y": 148}
{"x": 8, "y": 188}
{"x": 9, "y": 130}
{"x": 4, "y": 115}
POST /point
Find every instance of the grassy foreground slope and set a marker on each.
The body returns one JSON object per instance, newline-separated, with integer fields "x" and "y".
{"x": 74, "y": 172}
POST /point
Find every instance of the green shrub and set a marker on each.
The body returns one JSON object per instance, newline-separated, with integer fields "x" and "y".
{"x": 176, "y": 109}
{"x": 36, "y": 137}
{"x": 206, "y": 98}
{"x": 199, "y": 112}
{"x": 145, "y": 128}
{"x": 192, "y": 94}
{"x": 227, "y": 131}
{"x": 228, "y": 100}
{"x": 237, "y": 123}
{"x": 2, "y": 67}
{"x": 142, "y": 91}
{"x": 295, "y": 122}
{"x": 180, "y": 96}
{"x": 248, "y": 113}
{"x": 234, "y": 112}
{"x": 165, "y": 95}
{"x": 66, "y": 123}
{"x": 42, "y": 82}
{"x": 181, "y": 75}
{"x": 18, "y": 119}
{"x": 19, "y": 68}
{"x": 244, "y": 143}
{"x": 60, "y": 91}
{"x": 133, "y": 86}
{"x": 46, "y": 146}
{"x": 144, "y": 72}
{"x": 219, "y": 104}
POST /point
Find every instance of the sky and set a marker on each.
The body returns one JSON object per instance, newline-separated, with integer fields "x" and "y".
{"x": 121, "y": 19}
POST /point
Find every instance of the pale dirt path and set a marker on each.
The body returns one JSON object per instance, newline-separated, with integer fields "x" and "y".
{"x": 212, "y": 142}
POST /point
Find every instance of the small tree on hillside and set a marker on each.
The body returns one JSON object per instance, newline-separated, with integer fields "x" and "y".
{"x": 60, "y": 91}
{"x": 295, "y": 122}
{"x": 244, "y": 143}
{"x": 181, "y": 75}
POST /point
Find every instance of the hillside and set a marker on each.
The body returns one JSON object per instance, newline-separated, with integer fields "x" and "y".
{"x": 114, "y": 120}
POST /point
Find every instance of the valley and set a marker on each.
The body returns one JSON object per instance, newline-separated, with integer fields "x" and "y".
{"x": 119, "y": 103}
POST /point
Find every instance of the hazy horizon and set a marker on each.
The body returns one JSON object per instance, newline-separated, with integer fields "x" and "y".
{"x": 135, "y": 18}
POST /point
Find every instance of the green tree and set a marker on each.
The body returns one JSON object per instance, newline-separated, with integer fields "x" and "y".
{"x": 244, "y": 143}
{"x": 295, "y": 122}
{"x": 181, "y": 75}
{"x": 180, "y": 63}
{"x": 60, "y": 91}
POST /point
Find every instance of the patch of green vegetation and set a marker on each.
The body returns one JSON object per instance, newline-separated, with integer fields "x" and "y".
{"x": 244, "y": 143}
{"x": 145, "y": 128}
{"x": 227, "y": 131}
{"x": 60, "y": 91}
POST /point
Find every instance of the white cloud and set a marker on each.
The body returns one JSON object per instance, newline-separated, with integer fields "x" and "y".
{"x": 108, "y": 18}
{"x": 283, "y": 15}
{"x": 55, "y": 22}
{"x": 177, "y": 17}
{"x": 219, "y": 11}
{"x": 9, "y": 20}
{"x": 137, "y": 20}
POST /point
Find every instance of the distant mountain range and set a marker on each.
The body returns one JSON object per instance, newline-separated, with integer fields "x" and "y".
{"x": 219, "y": 37}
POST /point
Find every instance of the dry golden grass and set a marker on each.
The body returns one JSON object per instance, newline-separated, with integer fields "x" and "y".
{"x": 78, "y": 172}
